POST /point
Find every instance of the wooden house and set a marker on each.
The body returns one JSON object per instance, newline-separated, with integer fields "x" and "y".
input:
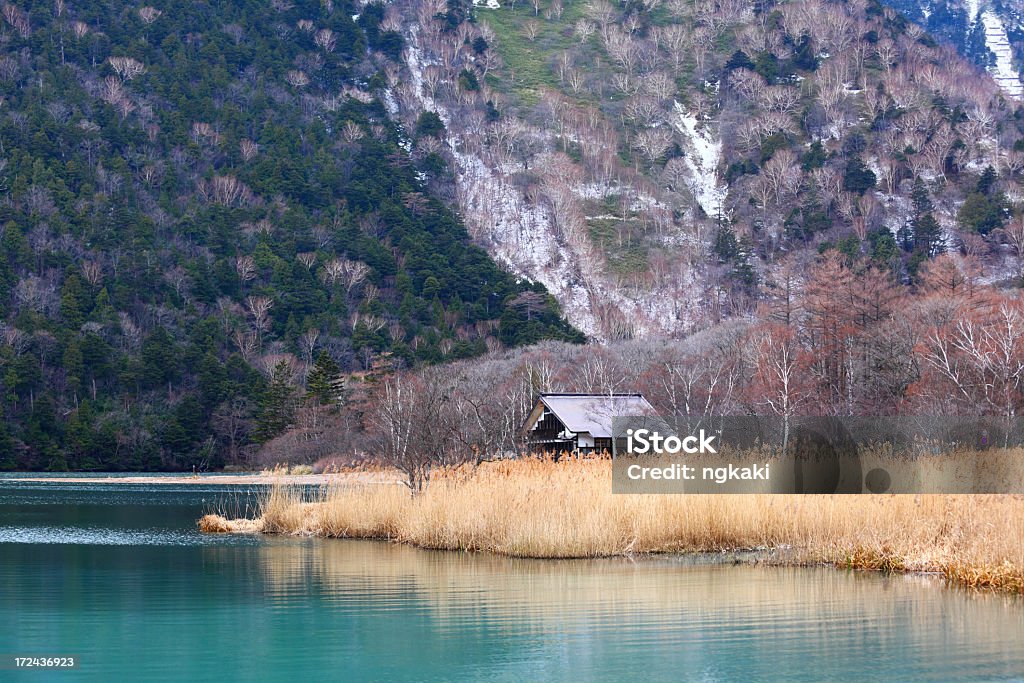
{"x": 579, "y": 423}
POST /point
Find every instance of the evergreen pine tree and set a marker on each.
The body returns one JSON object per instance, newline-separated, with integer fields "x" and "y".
{"x": 927, "y": 231}
{"x": 70, "y": 303}
{"x": 987, "y": 181}
{"x": 325, "y": 383}
{"x": 743, "y": 271}
{"x": 277, "y": 405}
{"x": 921, "y": 199}
{"x": 858, "y": 177}
{"x": 73, "y": 366}
{"x": 928, "y": 235}
{"x": 976, "y": 47}
{"x": 726, "y": 246}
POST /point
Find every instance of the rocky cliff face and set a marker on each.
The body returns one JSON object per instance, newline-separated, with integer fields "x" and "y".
{"x": 539, "y": 231}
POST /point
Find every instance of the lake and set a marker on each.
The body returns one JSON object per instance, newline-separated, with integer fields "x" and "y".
{"x": 118, "y": 576}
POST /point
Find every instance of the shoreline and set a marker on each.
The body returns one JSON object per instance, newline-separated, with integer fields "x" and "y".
{"x": 230, "y": 479}
{"x": 782, "y": 557}
{"x": 566, "y": 510}
{"x": 960, "y": 576}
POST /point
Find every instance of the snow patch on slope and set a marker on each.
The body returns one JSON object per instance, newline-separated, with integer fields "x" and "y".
{"x": 997, "y": 41}
{"x": 704, "y": 152}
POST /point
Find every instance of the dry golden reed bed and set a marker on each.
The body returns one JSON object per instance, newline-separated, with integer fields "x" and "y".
{"x": 544, "y": 509}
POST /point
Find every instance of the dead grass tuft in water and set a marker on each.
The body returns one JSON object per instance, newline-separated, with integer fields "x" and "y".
{"x": 544, "y": 509}
{"x": 883, "y": 559}
{"x": 215, "y": 524}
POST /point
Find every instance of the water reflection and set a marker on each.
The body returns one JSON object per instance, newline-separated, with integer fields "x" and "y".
{"x": 723, "y": 620}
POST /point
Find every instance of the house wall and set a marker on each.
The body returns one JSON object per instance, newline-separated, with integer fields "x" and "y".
{"x": 548, "y": 427}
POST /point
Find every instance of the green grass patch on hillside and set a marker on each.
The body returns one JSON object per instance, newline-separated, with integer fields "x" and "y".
{"x": 625, "y": 256}
{"x": 529, "y": 66}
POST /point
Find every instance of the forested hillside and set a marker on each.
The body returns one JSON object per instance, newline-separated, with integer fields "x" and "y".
{"x": 220, "y": 221}
{"x": 198, "y": 200}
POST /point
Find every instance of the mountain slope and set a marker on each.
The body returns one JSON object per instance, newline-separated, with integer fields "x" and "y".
{"x": 656, "y": 164}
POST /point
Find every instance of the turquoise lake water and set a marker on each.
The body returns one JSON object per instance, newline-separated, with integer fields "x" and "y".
{"x": 119, "y": 577}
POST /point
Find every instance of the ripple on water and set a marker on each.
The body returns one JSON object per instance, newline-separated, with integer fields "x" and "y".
{"x": 104, "y": 536}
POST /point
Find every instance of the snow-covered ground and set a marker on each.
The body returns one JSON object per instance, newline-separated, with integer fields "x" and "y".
{"x": 703, "y": 154}
{"x": 997, "y": 41}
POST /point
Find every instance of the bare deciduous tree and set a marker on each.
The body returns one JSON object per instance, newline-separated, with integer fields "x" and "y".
{"x": 653, "y": 142}
{"x": 17, "y": 19}
{"x": 245, "y": 266}
{"x": 127, "y": 68}
{"x": 325, "y": 40}
{"x": 347, "y": 271}
{"x": 296, "y": 79}
{"x": 259, "y": 308}
{"x": 232, "y": 422}
{"x": 248, "y": 149}
{"x": 531, "y": 29}
{"x": 583, "y": 29}
{"x": 149, "y": 14}
{"x": 414, "y": 422}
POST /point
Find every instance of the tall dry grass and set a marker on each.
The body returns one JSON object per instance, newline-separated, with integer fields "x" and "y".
{"x": 543, "y": 509}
